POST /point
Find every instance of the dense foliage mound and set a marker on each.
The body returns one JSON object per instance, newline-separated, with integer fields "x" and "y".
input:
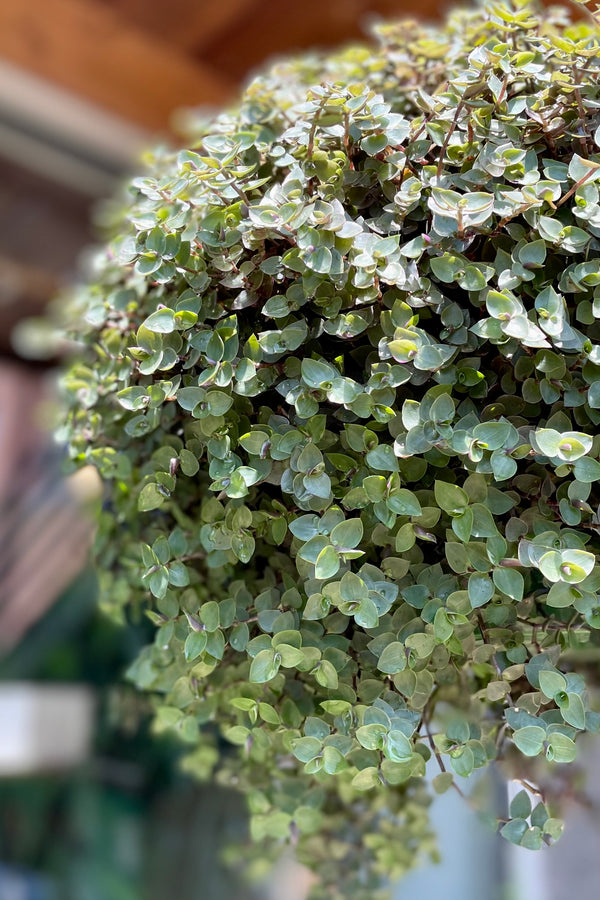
{"x": 342, "y": 384}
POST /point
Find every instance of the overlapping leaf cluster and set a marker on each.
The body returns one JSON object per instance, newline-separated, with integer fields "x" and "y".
{"x": 343, "y": 384}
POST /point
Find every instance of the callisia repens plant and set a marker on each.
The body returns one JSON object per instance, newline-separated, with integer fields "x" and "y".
{"x": 339, "y": 372}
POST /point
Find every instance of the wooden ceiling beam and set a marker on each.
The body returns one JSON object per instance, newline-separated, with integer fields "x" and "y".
{"x": 89, "y": 49}
{"x": 283, "y": 28}
{"x": 190, "y": 24}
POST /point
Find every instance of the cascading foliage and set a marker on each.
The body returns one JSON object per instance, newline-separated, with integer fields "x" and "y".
{"x": 341, "y": 379}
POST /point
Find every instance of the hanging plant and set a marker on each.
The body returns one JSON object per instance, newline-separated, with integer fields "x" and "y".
{"x": 341, "y": 379}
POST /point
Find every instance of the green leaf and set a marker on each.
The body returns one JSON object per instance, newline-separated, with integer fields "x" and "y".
{"x": 318, "y": 484}
{"x": 462, "y": 525}
{"x": 326, "y": 675}
{"x": 400, "y": 772}
{"x": 374, "y": 144}
{"x": 462, "y": 761}
{"x": 553, "y": 828}
{"x": 327, "y": 563}
{"x": 316, "y": 373}
{"x": 158, "y": 582}
{"x": 317, "y": 607}
{"x": 422, "y": 644}
{"x": 581, "y": 168}
{"x": 371, "y": 737}
{"x": 306, "y": 748}
{"x": 532, "y": 839}
{"x": 151, "y": 497}
{"x": 561, "y": 749}
{"x": 573, "y": 445}
{"x": 218, "y": 402}
{"x": 238, "y": 735}
{"x": 539, "y": 816}
{"x": 133, "y": 397}
{"x": 593, "y": 395}
{"x": 290, "y": 656}
{"x": 353, "y": 588}
{"x": 333, "y": 761}
{"x": 533, "y": 254}
{"x": 571, "y": 566}
{"x": 503, "y": 465}
{"x": 367, "y": 615}
{"x": 320, "y": 260}
{"x": 530, "y": 740}
{"x": 397, "y": 747}
{"x": 432, "y": 357}
{"x": 443, "y": 628}
{"x": 403, "y": 350}
{"x": 574, "y": 711}
{"x": 443, "y": 782}
{"x": 195, "y": 644}
{"x": 383, "y": 458}
{"x": 548, "y": 441}
{"x": 189, "y": 397}
{"x": 481, "y": 589}
{"x": 189, "y": 463}
{"x": 254, "y": 441}
{"x": 492, "y": 435}
{"x": 287, "y": 636}
{"x": 514, "y": 830}
{"x": 404, "y": 503}
{"x": 445, "y": 267}
{"x": 587, "y": 470}
{"x": 375, "y": 487}
{"x": 243, "y": 703}
{"x": 162, "y": 321}
{"x": 314, "y": 546}
{"x": 451, "y": 498}
{"x": 366, "y": 779}
{"x": 336, "y": 707}
{"x": 405, "y": 538}
{"x": 265, "y": 666}
{"x": 551, "y": 682}
{"x": 243, "y": 546}
{"x": 510, "y": 582}
{"x": 178, "y": 574}
{"x": 457, "y": 556}
{"x": 347, "y": 534}
{"x": 210, "y": 615}
{"x": 520, "y": 806}
{"x": 561, "y": 595}
{"x": 392, "y": 659}
{"x": 502, "y": 305}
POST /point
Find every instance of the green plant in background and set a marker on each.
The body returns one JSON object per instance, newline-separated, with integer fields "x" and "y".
{"x": 341, "y": 379}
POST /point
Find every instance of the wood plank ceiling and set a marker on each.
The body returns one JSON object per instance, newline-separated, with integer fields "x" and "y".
{"x": 141, "y": 59}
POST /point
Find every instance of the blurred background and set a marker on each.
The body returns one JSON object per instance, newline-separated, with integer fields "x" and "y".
{"x": 91, "y": 806}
